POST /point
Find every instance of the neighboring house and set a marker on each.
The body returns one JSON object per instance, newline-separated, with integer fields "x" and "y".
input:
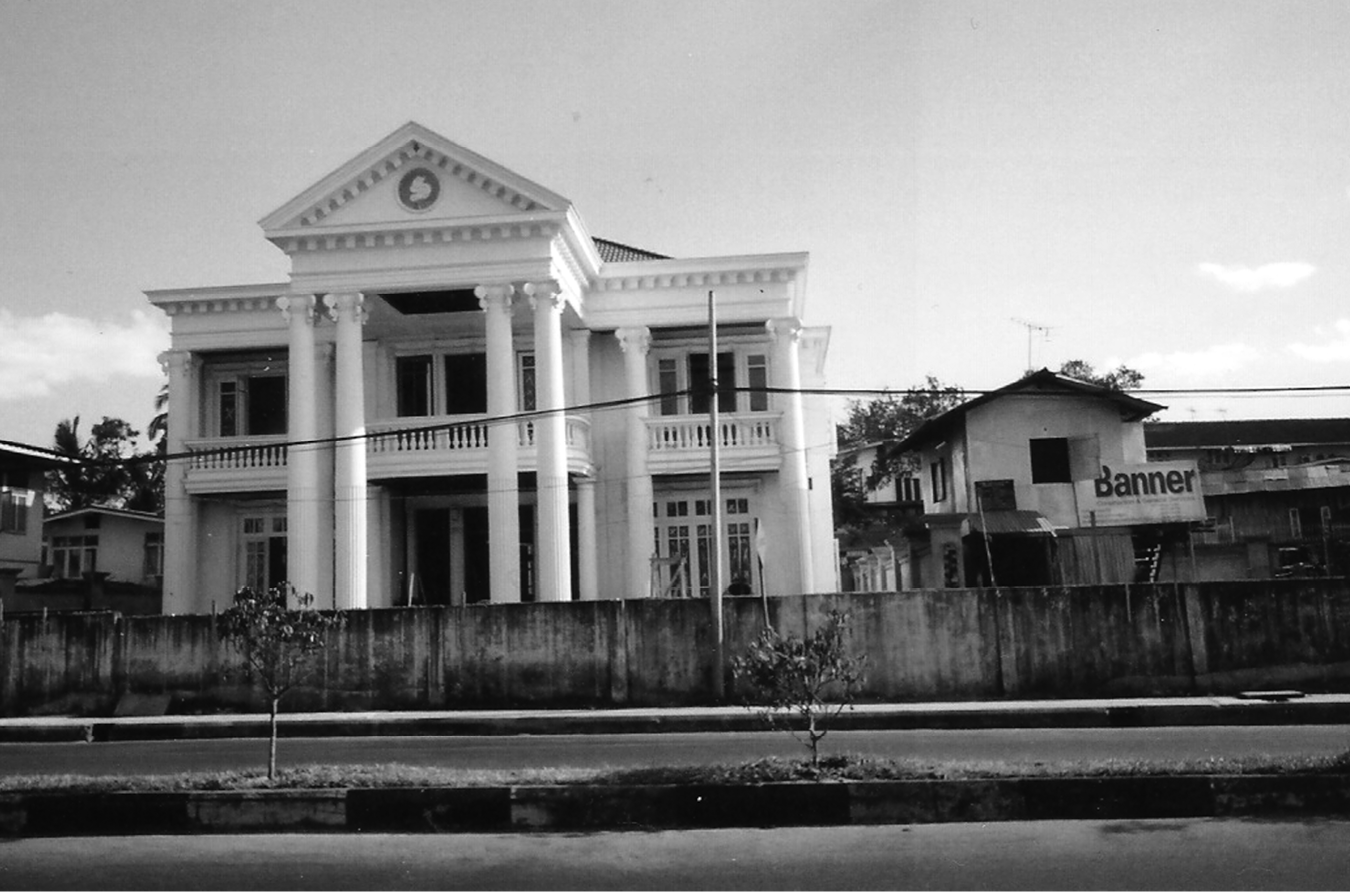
{"x": 1277, "y": 492}
{"x": 867, "y": 560}
{"x": 128, "y": 546}
{"x": 433, "y": 291}
{"x": 1044, "y": 481}
{"x": 22, "y": 481}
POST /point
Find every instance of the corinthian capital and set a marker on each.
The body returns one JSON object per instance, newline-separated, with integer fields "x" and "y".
{"x": 501, "y": 296}
{"x": 302, "y": 305}
{"x": 788, "y": 329}
{"x": 547, "y": 290}
{"x": 351, "y": 304}
{"x": 637, "y": 337}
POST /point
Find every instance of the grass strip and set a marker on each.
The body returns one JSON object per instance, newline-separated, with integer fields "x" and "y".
{"x": 836, "y": 768}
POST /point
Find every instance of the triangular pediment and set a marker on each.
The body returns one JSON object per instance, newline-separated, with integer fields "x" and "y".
{"x": 411, "y": 176}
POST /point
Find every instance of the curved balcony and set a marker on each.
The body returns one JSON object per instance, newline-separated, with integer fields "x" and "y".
{"x": 680, "y": 444}
{"x": 447, "y": 446}
{"x": 236, "y": 464}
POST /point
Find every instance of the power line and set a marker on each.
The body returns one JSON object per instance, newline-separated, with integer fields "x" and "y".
{"x": 610, "y": 405}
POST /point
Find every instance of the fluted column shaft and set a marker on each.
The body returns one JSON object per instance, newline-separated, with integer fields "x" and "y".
{"x": 636, "y": 341}
{"x": 349, "y": 476}
{"x": 503, "y": 446}
{"x": 553, "y": 550}
{"x": 786, "y": 335}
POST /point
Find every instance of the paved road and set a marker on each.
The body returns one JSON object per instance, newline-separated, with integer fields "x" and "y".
{"x": 1192, "y": 854}
{"x": 169, "y": 757}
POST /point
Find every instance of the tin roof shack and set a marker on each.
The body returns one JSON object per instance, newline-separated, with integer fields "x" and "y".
{"x": 1045, "y": 482}
{"x": 1277, "y": 492}
{"x": 22, "y": 481}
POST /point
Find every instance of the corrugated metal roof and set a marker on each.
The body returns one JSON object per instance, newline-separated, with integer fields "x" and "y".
{"x": 1254, "y": 432}
{"x": 1003, "y": 522}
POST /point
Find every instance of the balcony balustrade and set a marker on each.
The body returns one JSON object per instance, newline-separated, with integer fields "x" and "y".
{"x": 236, "y": 464}
{"x": 680, "y": 444}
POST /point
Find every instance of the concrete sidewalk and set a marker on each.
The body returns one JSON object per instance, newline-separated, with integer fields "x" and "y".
{"x": 1314, "y": 709}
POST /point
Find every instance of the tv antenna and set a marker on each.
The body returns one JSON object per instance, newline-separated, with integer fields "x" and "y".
{"x": 1033, "y": 329}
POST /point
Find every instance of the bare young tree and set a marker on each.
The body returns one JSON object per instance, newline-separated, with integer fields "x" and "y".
{"x": 279, "y": 644}
{"x": 811, "y": 680}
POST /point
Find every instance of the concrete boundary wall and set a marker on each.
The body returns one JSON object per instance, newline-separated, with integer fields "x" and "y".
{"x": 1085, "y": 641}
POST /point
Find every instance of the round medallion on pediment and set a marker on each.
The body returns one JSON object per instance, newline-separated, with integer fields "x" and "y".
{"x": 418, "y": 189}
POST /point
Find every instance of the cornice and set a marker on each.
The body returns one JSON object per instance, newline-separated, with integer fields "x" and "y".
{"x": 410, "y": 233}
{"x": 700, "y": 272}
{"x": 218, "y": 299}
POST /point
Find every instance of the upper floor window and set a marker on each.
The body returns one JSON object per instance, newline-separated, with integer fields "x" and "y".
{"x": 249, "y": 404}
{"x": 15, "y": 500}
{"x": 937, "y": 473}
{"x": 677, "y": 372}
{"x": 441, "y": 384}
{"x": 1050, "y": 460}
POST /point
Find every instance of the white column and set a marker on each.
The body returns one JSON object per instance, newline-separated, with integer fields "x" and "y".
{"x": 636, "y": 342}
{"x": 588, "y": 575}
{"x": 302, "y": 459}
{"x": 503, "y": 446}
{"x": 349, "y": 477}
{"x": 552, "y": 550}
{"x": 180, "y": 509}
{"x": 588, "y": 555}
{"x": 787, "y": 374}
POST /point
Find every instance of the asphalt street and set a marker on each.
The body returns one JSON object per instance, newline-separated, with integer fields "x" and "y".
{"x": 621, "y": 750}
{"x": 1171, "y": 854}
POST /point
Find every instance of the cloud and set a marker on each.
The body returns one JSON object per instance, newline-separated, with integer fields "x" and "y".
{"x": 38, "y": 354}
{"x": 1216, "y": 360}
{"x": 1246, "y": 279}
{"x": 1335, "y": 350}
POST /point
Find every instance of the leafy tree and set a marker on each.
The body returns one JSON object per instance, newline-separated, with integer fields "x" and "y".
{"x": 111, "y": 473}
{"x": 887, "y": 418}
{"x": 279, "y": 644}
{"x": 814, "y": 679}
{"x": 1123, "y": 378}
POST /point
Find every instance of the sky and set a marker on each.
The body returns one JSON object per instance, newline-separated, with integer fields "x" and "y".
{"x": 982, "y": 187}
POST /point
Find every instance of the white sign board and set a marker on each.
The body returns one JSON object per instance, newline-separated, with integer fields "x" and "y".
{"x": 1155, "y": 492}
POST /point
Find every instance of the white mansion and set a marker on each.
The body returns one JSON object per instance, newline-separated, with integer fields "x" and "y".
{"x": 460, "y": 395}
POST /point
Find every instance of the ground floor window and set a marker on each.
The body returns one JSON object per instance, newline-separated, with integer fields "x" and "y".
{"x": 262, "y": 552}
{"x": 684, "y": 549}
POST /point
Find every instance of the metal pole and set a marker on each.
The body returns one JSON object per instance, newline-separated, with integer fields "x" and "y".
{"x": 715, "y": 484}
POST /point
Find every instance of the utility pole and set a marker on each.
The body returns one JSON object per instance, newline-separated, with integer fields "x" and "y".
{"x": 715, "y": 484}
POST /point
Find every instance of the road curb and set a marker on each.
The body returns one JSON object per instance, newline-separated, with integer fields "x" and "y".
{"x": 451, "y": 724}
{"x": 618, "y": 808}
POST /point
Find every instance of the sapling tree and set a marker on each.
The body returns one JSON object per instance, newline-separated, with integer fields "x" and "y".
{"x": 279, "y": 644}
{"x": 811, "y": 679}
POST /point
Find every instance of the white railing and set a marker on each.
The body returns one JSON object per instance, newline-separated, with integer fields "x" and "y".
{"x": 404, "y": 435}
{"x": 752, "y": 430}
{"x": 237, "y": 454}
